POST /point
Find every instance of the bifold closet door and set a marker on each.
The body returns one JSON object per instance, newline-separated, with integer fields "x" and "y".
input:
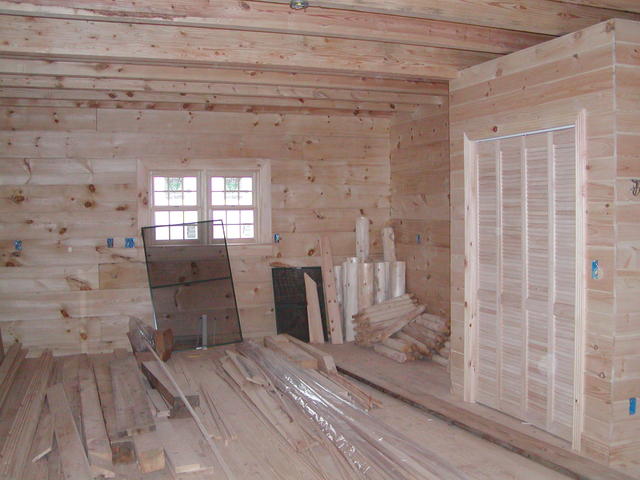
{"x": 526, "y": 277}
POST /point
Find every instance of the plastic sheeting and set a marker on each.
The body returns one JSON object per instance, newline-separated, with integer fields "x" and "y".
{"x": 372, "y": 448}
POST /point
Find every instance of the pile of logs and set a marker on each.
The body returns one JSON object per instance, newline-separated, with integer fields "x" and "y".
{"x": 401, "y": 330}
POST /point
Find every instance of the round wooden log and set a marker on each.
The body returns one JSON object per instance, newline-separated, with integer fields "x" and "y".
{"x": 381, "y": 281}
{"x": 350, "y": 296}
{"x": 362, "y": 238}
{"x": 397, "y": 271}
{"x": 366, "y": 292}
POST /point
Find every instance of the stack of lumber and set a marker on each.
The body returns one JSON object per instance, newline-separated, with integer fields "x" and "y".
{"x": 400, "y": 330}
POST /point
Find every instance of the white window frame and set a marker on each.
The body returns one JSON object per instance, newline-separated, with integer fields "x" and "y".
{"x": 260, "y": 169}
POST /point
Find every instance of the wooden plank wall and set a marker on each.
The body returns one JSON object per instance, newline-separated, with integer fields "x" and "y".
{"x": 625, "y": 434}
{"x": 68, "y": 182}
{"x": 547, "y": 86}
{"x": 420, "y": 202}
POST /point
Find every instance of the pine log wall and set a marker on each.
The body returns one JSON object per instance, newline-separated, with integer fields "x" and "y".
{"x": 420, "y": 202}
{"x": 597, "y": 70}
{"x": 68, "y": 182}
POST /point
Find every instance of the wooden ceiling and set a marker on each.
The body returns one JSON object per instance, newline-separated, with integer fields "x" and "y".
{"x": 362, "y": 57}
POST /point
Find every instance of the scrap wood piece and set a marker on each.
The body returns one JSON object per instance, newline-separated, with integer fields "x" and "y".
{"x": 334, "y": 315}
{"x": 395, "y": 355}
{"x": 121, "y": 447}
{"x": 75, "y": 464}
{"x": 380, "y": 334}
{"x": 95, "y": 433}
{"x": 161, "y": 382}
{"x": 325, "y": 360}
{"x": 398, "y": 344}
{"x": 14, "y": 453}
{"x": 367, "y": 400}
{"x": 421, "y": 347}
{"x": 184, "y": 453}
{"x": 149, "y": 452}
{"x": 132, "y": 409}
{"x": 43, "y": 441}
{"x": 9, "y": 369}
{"x": 247, "y": 369}
{"x": 314, "y": 317}
{"x": 160, "y": 406}
{"x": 291, "y": 352}
{"x": 227, "y": 434}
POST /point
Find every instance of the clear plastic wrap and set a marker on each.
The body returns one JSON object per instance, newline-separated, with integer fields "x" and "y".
{"x": 371, "y": 447}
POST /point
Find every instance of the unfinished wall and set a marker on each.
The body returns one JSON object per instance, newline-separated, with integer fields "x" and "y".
{"x": 68, "y": 182}
{"x": 543, "y": 87}
{"x": 420, "y": 202}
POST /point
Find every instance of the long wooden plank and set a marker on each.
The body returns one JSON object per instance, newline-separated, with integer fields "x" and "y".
{"x": 378, "y": 372}
{"x": 314, "y": 318}
{"x": 334, "y": 315}
{"x": 252, "y": 15}
{"x": 43, "y": 439}
{"x": 325, "y": 361}
{"x": 540, "y": 16}
{"x": 180, "y": 45}
{"x": 161, "y": 382}
{"x": 9, "y": 369}
{"x": 130, "y": 401}
{"x": 75, "y": 464}
{"x": 95, "y": 433}
{"x": 15, "y": 451}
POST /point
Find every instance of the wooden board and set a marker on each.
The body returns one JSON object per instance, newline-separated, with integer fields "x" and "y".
{"x": 334, "y": 315}
{"x": 72, "y": 455}
{"x": 159, "y": 381}
{"x": 9, "y": 369}
{"x": 149, "y": 452}
{"x": 291, "y": 352}
{"x": 314, "y": 317}
{"x": 130, "y": 401}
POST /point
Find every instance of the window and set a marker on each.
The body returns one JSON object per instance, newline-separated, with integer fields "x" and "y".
{"x": 240, "y": 197}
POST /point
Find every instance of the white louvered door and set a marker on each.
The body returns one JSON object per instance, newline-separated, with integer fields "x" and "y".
{"x": 526, "y": 274}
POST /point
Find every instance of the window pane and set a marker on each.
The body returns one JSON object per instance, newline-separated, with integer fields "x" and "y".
{"x": 190, "y": 198}
{"x": 246, "y": 216}
{"x": 246, "y": 183}
{"x": 231, "y": 198}
{"x": 190, "y": 216}
{"x": 175, "y": 198}
{"x": 231, "y": 183}
{"x": 218, "y": 232}
{"x": 233, "y": 231}
{"x": 159, "y": 183}
{"x": 217, "y": 198}
{"x": 191, "y": 183}
{"x": 219, "y": 215}
{"x": 246, "y": 198}
{"x": 175, "y": 218}
{"x": 174, "y": 183}
{"x": 160, "y": 199}
{"x": 246, "y": 231}
{"x": 161, "y": 218}
{"x": 162, "y": 233}
{"x": 176, "y": 233}
{"x": 233, "y": 216}
{"x": 191, "y": 232}
{"x": 217, "y": 184}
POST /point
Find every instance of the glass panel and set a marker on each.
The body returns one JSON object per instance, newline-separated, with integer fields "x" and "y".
{"x": 161, "y": 218}
{"x": 160, "y": 199}
{"x": 217, "y": 198}
{"x": 176, "y": 233}
{"x": 191, "y": 183}
{"x": 231, "y": 198}
{"x": 190, "y": 198}
{"x": 190, "y": 216}
{"x": 246, "y": 183}
{"x": 233, "y": 216}
{"x": 159, "y": 183}
{"x": 218, "y": 232}
{"x": 232, "y": 183}
{"x": 246, "y": 216}
{"x": 233, "y": 231}
{"x": 246, "y": 231}
{"x": 162, "y": 233}
{"x": 246, "y": 198}
{"x": 175, "y": 218}
{"x": 220, "y": 215}
{"x": 175, "y": 199}
{"x": 217, "y": 184}
{"x": 175, "y": 183}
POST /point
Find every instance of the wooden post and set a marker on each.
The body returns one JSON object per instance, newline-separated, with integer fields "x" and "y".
{"x": 397, "y": 271}
{"x": 334, "y": 316}
{"x": 314, "y": 317}
{"x": 389, "y": 244}
{"x": 362, "y": 238}
{"x": 365, "y": 285}
{"x": 350, "y": 296}
{"x": 381, "y": 281}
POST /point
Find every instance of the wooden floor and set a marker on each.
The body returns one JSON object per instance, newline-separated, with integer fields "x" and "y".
{"x": 425, "y": 385}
